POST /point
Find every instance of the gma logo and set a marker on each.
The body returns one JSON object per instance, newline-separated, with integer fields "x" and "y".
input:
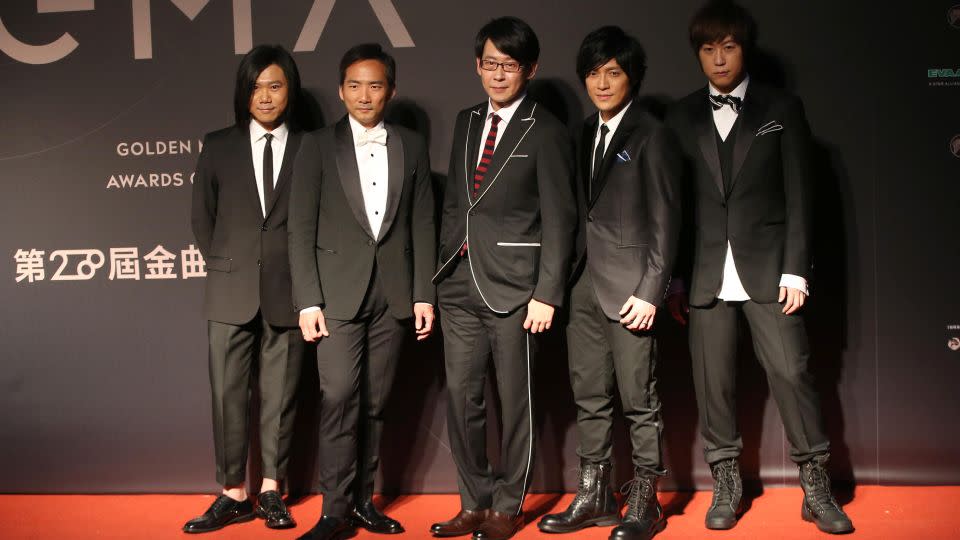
{"x": 313, "y": 26}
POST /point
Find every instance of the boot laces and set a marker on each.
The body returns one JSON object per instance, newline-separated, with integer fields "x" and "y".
{"x": 638, "y": 492}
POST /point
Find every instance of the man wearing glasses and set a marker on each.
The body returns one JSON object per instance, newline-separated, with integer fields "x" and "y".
{"x": 506, "y": 242}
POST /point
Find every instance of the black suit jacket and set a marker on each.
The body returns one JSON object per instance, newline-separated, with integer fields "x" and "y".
{"x": 332, "y": 249}
{"x": 521, "y": 227}
{"x": 630, "y": 225}
{"x": 245, "y": 253}
{"x": 765, "y": 213}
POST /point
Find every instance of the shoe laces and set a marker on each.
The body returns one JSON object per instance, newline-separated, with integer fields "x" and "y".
{"x": 222, "y": 504}
{"x": 724, "y": 485}
{"x": 639, "y": 490}
{"x": 270, "y": 500}
{"x": 818, "y": 480}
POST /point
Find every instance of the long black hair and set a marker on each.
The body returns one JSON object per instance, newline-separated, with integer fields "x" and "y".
{"x": 253, "y": 63}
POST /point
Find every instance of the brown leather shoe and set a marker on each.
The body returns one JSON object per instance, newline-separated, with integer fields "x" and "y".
{"x": 462, "y": 524}
{"x": 498, "y": 526}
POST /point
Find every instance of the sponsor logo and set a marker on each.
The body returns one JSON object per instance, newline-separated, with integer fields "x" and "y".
{"x": 954, "y": 344}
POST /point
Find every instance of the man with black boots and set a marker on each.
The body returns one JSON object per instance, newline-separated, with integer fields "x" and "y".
{"x": 629, "y": 173}
{"x": 749, "y": 147}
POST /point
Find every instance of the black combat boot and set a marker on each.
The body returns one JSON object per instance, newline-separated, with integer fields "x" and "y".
{"x": 644, "y": 516}
{"x": 819, "y": 506}
{"x": 727, "y": 494}
{"x": 593, "y": 505}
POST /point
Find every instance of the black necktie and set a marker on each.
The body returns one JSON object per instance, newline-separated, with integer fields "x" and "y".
{"x": 598, "y": 156}
{"x": 267, "y": 172}
{"x": 717, "y": 102}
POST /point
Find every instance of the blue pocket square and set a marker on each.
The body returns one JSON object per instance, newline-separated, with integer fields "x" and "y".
{"x": 623, "y": 156}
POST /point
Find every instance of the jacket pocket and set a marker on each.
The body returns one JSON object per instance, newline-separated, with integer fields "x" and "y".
{"x": 325, "y": 250}
{"x": 219, "y": 264}
{"x": 519, "y": 244}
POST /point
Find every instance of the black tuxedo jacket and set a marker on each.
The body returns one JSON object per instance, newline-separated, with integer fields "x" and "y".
{"x": 520, "y": 229}
{"x": 332, "y": 248}
{"x": 630, "y": 219}
{"x": 765, "y": 212}
{"x": 245, "y": 253}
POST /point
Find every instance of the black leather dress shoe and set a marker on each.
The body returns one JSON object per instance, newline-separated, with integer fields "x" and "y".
{"x": 329, "y": 528}
{"x": 367, "y": 516}
{"x": 271, "y": 509}
{"x": 224, "y": 511}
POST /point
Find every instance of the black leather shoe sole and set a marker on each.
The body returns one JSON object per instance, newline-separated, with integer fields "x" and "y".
{"x": 361, "y": 524}
{"x": 830, "y": 528}
{"x": 601, "y": 521}
{"x": 238, "y": 519}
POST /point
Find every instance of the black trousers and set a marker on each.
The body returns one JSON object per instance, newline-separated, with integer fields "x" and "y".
{"x": 471, "y": 334}
{"x": 357, "y": 364}
{"x": 780, "y": 342}
{"x": 232, "y": 351}
{"x": 602, "y": 353}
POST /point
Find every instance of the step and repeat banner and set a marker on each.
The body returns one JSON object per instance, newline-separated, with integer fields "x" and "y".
{"x": 103, "y": 378}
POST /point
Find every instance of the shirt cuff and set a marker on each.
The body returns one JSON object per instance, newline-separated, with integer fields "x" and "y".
{"x": 794, "y": 282}
{"x": 309, "y": 310}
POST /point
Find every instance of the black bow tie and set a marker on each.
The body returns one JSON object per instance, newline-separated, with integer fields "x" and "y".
{"x": 717, "y": 102}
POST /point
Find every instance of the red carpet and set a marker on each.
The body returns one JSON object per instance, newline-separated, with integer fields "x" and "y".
{"x": 877, "y": 512}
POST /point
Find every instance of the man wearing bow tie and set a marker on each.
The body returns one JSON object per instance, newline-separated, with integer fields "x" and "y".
{"x": 749, "y": 148}
{"x": 362, "y": 252}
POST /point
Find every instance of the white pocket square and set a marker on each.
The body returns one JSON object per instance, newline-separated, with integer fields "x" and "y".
{"x": 769, "y": 127}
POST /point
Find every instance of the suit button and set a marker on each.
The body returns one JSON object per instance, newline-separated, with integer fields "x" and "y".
{"x": 589, "y": 218}
{"x": 259, "y": 263}
{"x": 263, "y": 228}
{"x": 370, "y": 242}
{"x": 472, "y": 213}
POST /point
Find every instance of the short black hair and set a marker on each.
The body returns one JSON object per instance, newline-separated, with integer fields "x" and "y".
{"x": 718, "y": 19}
{"x": 251, "y": 65}
{"x": 511, "y": 36}
{"x": 369, "y": 51}
{"x": 612, "y": 43}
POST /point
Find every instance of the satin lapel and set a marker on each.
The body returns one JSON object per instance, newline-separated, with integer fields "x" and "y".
{"x": 754, "y": 109}
{"x": 395, "y": 168}
{"x": 245, "y": 163}
{"x": 519, "y": 125}
{"x": 286, "y": 169}
{"x": 349, "y": 173}
{"x": 470, "y": 153}
{"x": 707, "y": 139}
{"x": 626, "y": 128}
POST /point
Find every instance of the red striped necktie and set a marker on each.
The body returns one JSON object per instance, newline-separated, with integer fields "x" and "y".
{"x": 485, "y": 158}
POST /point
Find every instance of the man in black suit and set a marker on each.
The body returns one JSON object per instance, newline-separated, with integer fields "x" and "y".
{"x": 629, "y": 199}
{"x": 240, "y": 195}
{"x": 749, "y": 147}
{"x": 362, "y": 250}
{"x": 509, "y": 220}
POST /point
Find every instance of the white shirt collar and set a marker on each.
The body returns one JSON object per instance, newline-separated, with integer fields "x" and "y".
{"x": 357, "y": 128}
{"x": 615, "y": 121}
{"x": 257, "y": 132}
{"x": 505, "y": 113}
{"x": 739, "y": 91}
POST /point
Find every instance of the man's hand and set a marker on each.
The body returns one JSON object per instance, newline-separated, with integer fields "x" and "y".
{"x": 313, "y": 325}
{"x": 423, "y": 317}
{"x": 794, "y": 299}
{"x": 539, "y": 316}
{"x": 679, "y": 306}
{"x": 637, "y": 314}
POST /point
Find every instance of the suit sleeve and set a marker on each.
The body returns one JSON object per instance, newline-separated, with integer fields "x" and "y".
{"x": 424, "y": 231}
{"x": 798, "y": 170}
{"x": 203, "y": 212}
{"x": 558, "y": 215}
{"x": 661, "y": 173}
{"x": 448, "y": 216}
{"x": 302, "y": 224}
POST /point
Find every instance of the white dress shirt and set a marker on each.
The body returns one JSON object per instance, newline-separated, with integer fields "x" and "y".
{"x": 505, "y": 114}
{"x": 612, "y": 125}
{"x": 257, "y": 144}
{"x": 731, "y": 288}
{"x": 373, "y": 167}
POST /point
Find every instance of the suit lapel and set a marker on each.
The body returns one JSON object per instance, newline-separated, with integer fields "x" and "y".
{"x": 754, "y": 108}
{"x": 286, "y": 169}
{"x": 517, "y": 129}
{"x": 472, "y": 150}
{"x": 626, "y": 128}
{"x": 586, "y": 156}
{"x": 395, "y": 168}
{"x": 247, "y": 177}
{"x": 707, "y": 139}
{"x": 349, "y": 173}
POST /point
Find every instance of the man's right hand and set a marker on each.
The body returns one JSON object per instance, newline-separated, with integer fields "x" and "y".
{"x": 313, "y": 325}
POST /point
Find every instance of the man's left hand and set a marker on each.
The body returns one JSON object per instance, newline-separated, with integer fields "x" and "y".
{"x": 539, "y": 316}
{"x": 637, "y": 314}
{"x": 423, "y": 320}
{"x": 792, "y": 299}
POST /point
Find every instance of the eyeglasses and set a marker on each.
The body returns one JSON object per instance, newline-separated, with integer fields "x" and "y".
{"x": 491, "y": 65}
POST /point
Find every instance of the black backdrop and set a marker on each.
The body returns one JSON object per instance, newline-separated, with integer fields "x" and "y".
{"x": 103, "y": 384}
